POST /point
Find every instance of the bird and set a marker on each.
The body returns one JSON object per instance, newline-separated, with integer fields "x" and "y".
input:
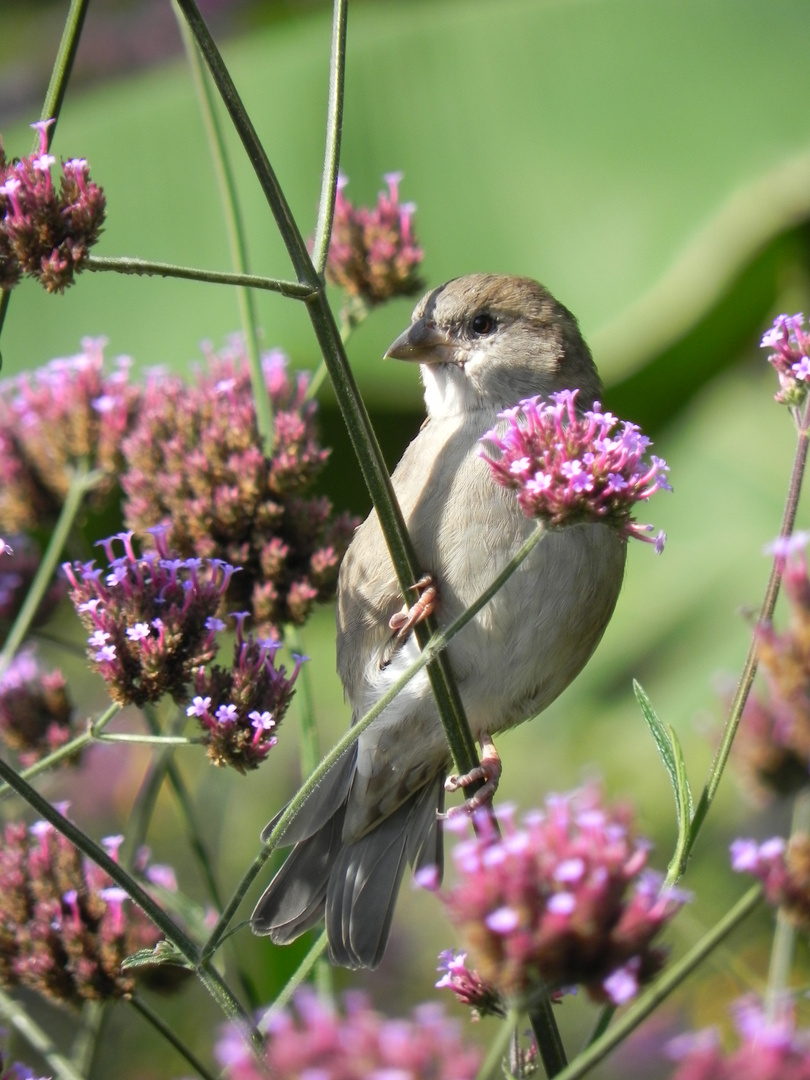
{"x": 483, "y": 343}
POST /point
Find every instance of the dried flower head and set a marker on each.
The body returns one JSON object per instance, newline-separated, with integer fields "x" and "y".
{"x": 770, "y": 1048}
{"x": 195, "y": 464}
{"x": 567, "y": 467}
{"x": 783, "y": 869}
{"x": 152, "y": 618}
{"x": 64, "y": 927}
{"x": 565, "y": 898}
{"x": 19, "y": 564}
{"x": 46, "y": 233}
{"x": 36, "y": 715}
{"x": 314, "y": 1040}
{"x": 373, "y": 253}
{"x": 791, "y": 358}
{"x": 51, "y": 419}
{"x": 240, "y": 708}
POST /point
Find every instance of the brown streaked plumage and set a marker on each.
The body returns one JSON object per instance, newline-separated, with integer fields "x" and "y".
{"x": 483, "y": 343}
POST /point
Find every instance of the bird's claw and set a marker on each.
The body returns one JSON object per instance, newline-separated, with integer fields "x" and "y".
{"x": 489, "y": 770}
{"x": 404, "y": 621}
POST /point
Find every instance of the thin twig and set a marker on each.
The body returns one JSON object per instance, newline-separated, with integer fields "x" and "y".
{"x": 334, "y": 128}
{"x": 148, "y": 268}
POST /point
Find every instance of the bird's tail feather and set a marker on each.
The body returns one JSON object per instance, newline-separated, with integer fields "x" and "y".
{"x": 355, "y": 885}
{"x": 365, "y": 880}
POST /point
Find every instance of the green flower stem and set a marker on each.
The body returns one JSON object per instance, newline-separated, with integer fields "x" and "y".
{"x": 148, "y": 268}
{"x": 303, "y": 970}
{"x": 493, "y": 1063}
{"x": 63, "y": 65}
{"x": 434, "y": 647}
{"x": 334, "y": 127}
{"x": 750, "y": 667}
{"x": 81, "y": 482}
{"x": 143, "y": 809}
{"x": 547, "y": 1035}
{"x": 194, "y": 835}
{"x": 159, "y": 1024}
{"x": 152, "y": 740}
{"x": 85, "y": 1042}
{"x": 184, "y": 945}
{"x": 672, "y": 977}
{"x": 68, "y": 750}
{"x": 99, "y": 856}
{"x": 310, "y": 753}
{"x": 784, "y": 938}
{"x": 235, "y": 230}
{"x": 606, "y": 1014}
{"x": 36, "y": 1037}
{"x": 355, "y": 416}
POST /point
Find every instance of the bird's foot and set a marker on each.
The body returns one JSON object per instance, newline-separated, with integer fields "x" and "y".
{"x": 489, "y": 771}
{"x": 404, "y": 621}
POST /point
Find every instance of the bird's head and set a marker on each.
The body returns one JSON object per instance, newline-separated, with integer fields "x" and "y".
{"x": 487, "y": 340}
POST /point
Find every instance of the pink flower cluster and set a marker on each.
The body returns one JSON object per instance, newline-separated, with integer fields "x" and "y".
{"x": 46, "y": 233}
{"x": 36, "y": 714}
{"x": 564, "y": 898}
{"x": 784, "y": 870}
{"x": 373, "y": 253}
{"x": 791, "y": 358}
{"x": 770, "y": 1048}
{"x": 195, "y": 464}
{"x": 68, "y": 411}
{"x": 64, "y": 927}
{"x": 152, "y": 618}
{"x": 314, "y": 1040}
{"x": 567, "y": 467}
{"x": 240, "y": 708}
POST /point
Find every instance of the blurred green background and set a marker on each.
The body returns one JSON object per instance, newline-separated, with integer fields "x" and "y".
{"x": 649, "y": 161}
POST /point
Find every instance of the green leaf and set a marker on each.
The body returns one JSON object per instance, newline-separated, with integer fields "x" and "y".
{"x": 671, "y": 755}
{"x": 163, "y": 953}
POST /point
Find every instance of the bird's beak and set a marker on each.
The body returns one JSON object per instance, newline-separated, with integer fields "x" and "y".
{"x": 424, "y": 343}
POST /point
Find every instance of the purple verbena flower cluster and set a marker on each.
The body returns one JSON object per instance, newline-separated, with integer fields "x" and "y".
{"x": 152, "y": 618}
{"x": 195, "y": 464}
{"x": 791, "y": 358}
{"x": 567, "y": 467}
{"x": 46, "y": 233}
{"x": 313, "y": 1039}
{"x": 240, "y": 708}
{"x": 68, "y": 411}
{"x": 784, "y": 870}
{"x": 373, "y": 253}
{"x": 770, "y": 1048}
{"x": 36, "y": 714}
{"x": 468, "y": 986}
{"x": 564, "y": 898}
{"x": 64, "y": 927}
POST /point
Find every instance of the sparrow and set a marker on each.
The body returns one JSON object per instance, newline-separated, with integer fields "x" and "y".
{"x": 483, "y": 342}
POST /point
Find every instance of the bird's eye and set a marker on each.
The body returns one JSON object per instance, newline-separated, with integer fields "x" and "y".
{"x": 483, "y": 323}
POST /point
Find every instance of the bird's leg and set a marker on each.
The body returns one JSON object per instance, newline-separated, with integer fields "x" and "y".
{"x": 404, "y": 621}
{"x": 489, "y": 771}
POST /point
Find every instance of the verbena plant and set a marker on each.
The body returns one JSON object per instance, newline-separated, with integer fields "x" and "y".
{"x": 215, "y": 480}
